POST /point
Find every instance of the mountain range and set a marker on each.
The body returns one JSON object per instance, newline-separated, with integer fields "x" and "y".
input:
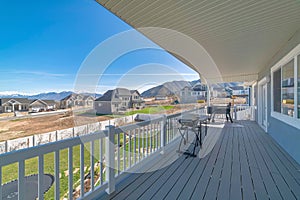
{"x": 45, "y": 96}
{"x": 165, "y": 89}
{"x": 171, "y": 88}
{"x": 168, "y": 88}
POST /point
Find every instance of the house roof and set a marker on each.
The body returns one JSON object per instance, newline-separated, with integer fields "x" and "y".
{"x": 49, "y": 102}
{"x": 107, "y": 96}
{"x": 122, "y": 92}
{"x": 237, "y": 88}
{"x": 19, "y": 100}
{"x": 46, "y": 102}
{"x": 224, "y": 41}
{"x": 74, "y": 95}
{"x": 69, "y": 96}
{"x": 85, "y": 97}
{"x": 133, "y": 91}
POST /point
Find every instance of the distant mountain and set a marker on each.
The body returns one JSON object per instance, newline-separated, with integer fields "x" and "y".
{"x": 51, "y": 95}
{"x": 171, "y": 88}
{"x": 45, "y": 96}
{"x": 168, "y": 88}
{"x": 226, "y": 85}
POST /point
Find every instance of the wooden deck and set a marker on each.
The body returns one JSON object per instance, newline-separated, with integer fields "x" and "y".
{"x": 244, "y": 163}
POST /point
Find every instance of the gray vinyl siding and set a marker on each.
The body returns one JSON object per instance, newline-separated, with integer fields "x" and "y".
{"x": 104, "y": 108}
{"x": 287, "y": 136}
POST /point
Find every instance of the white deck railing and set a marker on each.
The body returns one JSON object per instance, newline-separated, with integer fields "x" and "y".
{"x": 120, "y": 148}
{"x": 244, "y": 112}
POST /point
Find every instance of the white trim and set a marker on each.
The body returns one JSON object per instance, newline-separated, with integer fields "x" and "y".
{"x": 261, "y": 84}
{"x": 292, "y": 121}
{"x": 286, "y": 119}
{"x": 252, "y": 94}
{"x": 288, "y": 57}
{"x": 295, "y": 87}
{"x": 263, "y": 81}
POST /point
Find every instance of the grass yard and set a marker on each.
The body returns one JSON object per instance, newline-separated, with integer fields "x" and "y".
{"x": 151, "y": 110}
{"x": 10, "y": 172}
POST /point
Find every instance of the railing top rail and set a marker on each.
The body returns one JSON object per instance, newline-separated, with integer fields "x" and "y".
{"x": 23, "y": 154}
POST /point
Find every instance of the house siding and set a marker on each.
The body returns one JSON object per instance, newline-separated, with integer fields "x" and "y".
{"x": 286, "y": 135}
{"x": 104, "y": 108}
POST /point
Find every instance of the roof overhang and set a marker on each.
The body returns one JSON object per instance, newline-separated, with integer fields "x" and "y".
{"x": 241, "y": 37}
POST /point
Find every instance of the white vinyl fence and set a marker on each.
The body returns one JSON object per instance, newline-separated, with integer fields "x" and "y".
{"x": 44, "y": 138}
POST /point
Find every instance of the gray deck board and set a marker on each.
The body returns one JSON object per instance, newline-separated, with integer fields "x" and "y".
{"x": 224, "y": 189}
{"x": 257, "y": 182}
{"x": 200, "y": 187}
{"x": 245, "y": 163}
{"x": 213, "y": 185}
{"x": 267, "y": 177}
{"x": 246, "y": 179}
{"x": 290, "y": 188}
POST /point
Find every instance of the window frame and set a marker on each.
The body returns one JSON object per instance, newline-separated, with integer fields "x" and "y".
{"x": 292, "y": 121}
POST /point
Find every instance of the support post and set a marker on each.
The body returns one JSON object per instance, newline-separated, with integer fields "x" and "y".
{"x": 235, "y": 112}
{"x": 208, "y": 95}
{"x": 109, "y": 159}
{"x": 163, "y": 133}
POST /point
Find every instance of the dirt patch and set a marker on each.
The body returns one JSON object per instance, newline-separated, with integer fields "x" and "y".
{"x": 11, "y": 129}
{"x": 17, "y": 128}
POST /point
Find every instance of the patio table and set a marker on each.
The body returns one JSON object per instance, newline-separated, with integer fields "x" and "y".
{"x": 194, "y": 123}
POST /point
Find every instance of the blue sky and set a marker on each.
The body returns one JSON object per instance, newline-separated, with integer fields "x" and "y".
{"x": 43, "y": 44}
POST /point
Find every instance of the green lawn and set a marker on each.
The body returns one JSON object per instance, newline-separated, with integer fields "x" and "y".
{"x": 150, "y": 110}
{"x": 10, "y": 172}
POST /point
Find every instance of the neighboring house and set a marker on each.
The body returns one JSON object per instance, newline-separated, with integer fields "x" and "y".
{"x": 228, "y": 92}
{"x": 161, "y": 97}
{"x": 192, "y": 94}
{"x": 76, "y": 100}
{"x": 118, "y": 100}
{"x": 239, "y": 91}
{"x": 219, "y": 92}
{"x": 38, "y": 105}
{"x": 137, "y": 101}
{"x": 88, "y": 101}
{"x": 14, "y": 104}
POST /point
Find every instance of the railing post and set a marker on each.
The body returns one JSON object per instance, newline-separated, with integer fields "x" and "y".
{"x": 6, "y": 147}
{"x": 163, "y": 133}
{"x": 235, "y": 112}
{"x": 110, "y": 159}
{"x": 1, "y": 183}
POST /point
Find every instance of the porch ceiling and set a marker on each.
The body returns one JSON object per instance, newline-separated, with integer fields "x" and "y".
{"x": 240, "y": 36}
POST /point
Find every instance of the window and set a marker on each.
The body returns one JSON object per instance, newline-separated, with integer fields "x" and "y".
{"x": 298, "y": 91}
{"x": 287, "y": 89}
{"x": 277, "y": 90}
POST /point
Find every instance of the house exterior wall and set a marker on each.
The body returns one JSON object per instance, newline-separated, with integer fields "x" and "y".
{"x": 286, "y": 135}
{"x": 103, "y": 107}
{"x": 37, "y": 106}
{"x": 136, "y": 101}
{"x": 8, "y": 107}
{"x": 188, "y": 95}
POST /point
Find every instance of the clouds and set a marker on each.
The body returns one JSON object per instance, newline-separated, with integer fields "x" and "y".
{"x": 38, "y": 73}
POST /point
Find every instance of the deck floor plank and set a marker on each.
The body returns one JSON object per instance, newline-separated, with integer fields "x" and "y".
{"x": 245, "y": 163}
{"x": 288, "y": 186}
{"x": 200, "y": 187}
{"x": 224, "y": 188}
{"x": 267, "y": 177}
{"x": 258, "y": 184}
{"x": 213, "y": 185}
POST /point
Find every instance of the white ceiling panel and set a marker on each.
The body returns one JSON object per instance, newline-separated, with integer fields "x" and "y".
{"x": 240, "y": 36}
